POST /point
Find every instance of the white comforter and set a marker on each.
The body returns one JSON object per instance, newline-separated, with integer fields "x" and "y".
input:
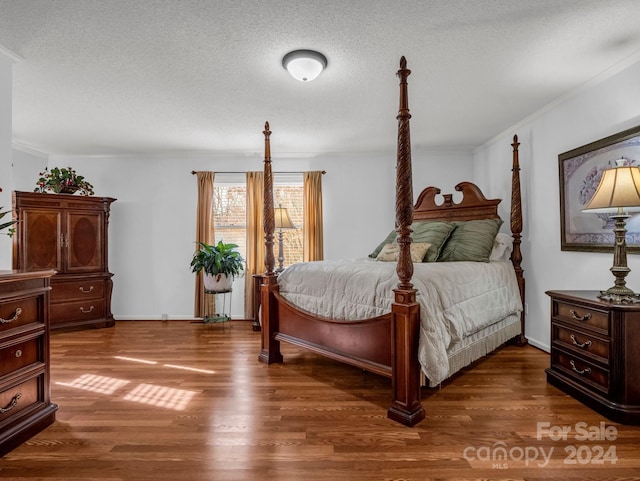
{"x": 456, "y": 299}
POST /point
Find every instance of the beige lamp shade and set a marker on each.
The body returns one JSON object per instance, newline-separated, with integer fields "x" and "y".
{"x": 619, "y": 188}
{"x": 283, "y": 221}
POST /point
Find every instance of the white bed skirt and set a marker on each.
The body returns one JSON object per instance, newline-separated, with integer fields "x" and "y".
{"x": 479, "y": 344}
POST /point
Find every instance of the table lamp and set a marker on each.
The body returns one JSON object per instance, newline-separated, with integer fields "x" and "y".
{"x": 617, "y": 193}
{"x": 282, "y": 221}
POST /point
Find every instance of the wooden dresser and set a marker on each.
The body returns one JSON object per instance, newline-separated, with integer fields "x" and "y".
{"x": 25, "y": 404}
{"x": 69, "y": 234}
{"x": 595, "y": 353}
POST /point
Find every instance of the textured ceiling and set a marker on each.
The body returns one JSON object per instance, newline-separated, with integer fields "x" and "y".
{"x": 134, "y": 76}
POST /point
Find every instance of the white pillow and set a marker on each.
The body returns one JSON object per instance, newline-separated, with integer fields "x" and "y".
{"x": 502, "y": 247}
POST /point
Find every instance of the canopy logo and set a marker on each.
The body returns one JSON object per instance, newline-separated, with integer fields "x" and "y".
{"x": 590, "y": 452}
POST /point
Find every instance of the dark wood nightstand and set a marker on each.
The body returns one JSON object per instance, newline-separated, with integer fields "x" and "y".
{"x": 257, "y": 280}
{"x": 595, "y": 353}
{"x": 25, "y": 392}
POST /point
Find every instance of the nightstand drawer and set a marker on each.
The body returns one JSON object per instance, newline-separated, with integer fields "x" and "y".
{"x": 20, "y": 354}
{"x": 580, "y": 370}
{"x": 582, "y": 342}
{"x": 20, "y": 397}
{"x": 580, "y": 315}
{"x": 19, "y": 313}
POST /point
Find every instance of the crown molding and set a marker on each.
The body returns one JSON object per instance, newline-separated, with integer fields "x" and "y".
{"x": 14, "y": 57}
{"x": 28, "y": 149}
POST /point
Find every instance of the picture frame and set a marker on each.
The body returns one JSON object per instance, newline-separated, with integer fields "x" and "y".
{"x": 580, "y": 173}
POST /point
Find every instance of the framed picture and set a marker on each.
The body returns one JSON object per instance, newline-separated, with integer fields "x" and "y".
{"x": 580, "y": 173}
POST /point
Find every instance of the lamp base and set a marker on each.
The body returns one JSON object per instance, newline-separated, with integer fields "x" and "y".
{"x": 280, "y": 254}
{"x": 620, "y": 295}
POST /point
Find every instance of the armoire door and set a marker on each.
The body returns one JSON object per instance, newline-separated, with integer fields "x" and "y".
{"x": 43, "y": 240}
{"x": 83, "y": 241}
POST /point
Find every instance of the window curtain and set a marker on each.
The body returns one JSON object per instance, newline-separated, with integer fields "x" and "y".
{"x": 204, "y": 304}
{"x": 313, "y": 236}
{"x": 255, "y": 238}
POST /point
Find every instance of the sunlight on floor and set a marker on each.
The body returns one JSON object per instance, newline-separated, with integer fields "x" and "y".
{"x": 154, "y": 395}
{"x": 161, "y": 396}
{"x": 99, "y": 384}
{"x": 134, "y": 359}
{"x": 193, "y": 369}
{"x": 173, "y": 366}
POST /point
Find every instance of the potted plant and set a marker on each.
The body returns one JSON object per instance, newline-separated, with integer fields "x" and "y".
{"x": 4, "y": 225}
{"x": 63, "y": 181}
{"x": 220, "y": 263}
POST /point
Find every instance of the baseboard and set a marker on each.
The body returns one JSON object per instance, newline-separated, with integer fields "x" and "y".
{"x": 168, "y": 318}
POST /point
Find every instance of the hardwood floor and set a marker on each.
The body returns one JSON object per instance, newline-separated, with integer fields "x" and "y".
{"x": 175, "y": 400}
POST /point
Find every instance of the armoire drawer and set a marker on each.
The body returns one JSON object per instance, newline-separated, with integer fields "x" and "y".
{"x": 76, "y": 290}
{"x": 77, "y": 310}
{"x": 19, "y": 313}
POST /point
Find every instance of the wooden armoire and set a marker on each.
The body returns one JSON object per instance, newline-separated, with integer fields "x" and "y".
{"x": 69, "y": 234}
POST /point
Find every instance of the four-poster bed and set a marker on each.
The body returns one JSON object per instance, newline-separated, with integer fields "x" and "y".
{"x": 395, "y": 337}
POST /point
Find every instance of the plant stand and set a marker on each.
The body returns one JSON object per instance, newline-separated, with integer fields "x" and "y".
{"x": 225, "y": 314}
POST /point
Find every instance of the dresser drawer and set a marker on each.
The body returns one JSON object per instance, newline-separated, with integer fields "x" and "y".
{"x": 583, "y": 371}
{"x": 77, "y": 311}
{"x": 16, "y": 399}
{"x": 19, "y": 313}
{"x": 77, "y": 290}
{"x": 582, "y": 316}
{"x": 20, "y": 354}
{"x": 580, "y": 341}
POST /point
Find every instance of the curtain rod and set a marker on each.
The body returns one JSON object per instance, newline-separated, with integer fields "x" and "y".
{"x": 194, "y": 172}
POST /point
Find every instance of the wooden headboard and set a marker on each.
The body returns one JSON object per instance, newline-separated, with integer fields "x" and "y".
{"x": 473, "y": 205}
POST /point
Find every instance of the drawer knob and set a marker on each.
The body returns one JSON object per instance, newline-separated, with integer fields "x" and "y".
{"x": 13, "y": 403}
{"x": 582, "y": 345}
{"x": 86, "y": 311}
{"x": 586, "y": 317}
{"x": 86, "y": 291}
{"x": 15, "y": 317}
{"x": 18, "y": 353}
{"x": 582, "y": 372}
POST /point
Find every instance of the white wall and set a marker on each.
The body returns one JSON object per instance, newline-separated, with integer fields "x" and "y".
{"x": 152, "y": 223}
{"x": 605, "y": 107}
{"x": 6, "y": 174}
{"x": 27, "y": 166}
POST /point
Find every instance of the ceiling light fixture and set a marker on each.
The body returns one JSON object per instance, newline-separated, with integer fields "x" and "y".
{"x": 304, "y": 65}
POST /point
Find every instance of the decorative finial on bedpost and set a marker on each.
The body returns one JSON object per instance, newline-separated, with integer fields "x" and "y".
{"x": 404, "y": 183}
{"x": 269, "y": 216}
{"x": 267, "y": 143}
{"x": 516, "y": 230}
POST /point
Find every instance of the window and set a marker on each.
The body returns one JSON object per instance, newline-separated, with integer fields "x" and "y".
{"x": 290, "y": 197}
{"x": 230, "y": 214}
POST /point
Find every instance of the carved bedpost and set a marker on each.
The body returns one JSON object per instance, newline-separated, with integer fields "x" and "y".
{"x": 270, "y": 347}
{"x": 405, "y": 311}
{"x": 516, "y": 230}
{"x": 268, "y": 213}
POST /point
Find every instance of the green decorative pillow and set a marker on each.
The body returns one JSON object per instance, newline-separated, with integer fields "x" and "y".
{"x": 471, "y": 241}
{"x": 434, "y": 233}
{"x": 430, "y": 232}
